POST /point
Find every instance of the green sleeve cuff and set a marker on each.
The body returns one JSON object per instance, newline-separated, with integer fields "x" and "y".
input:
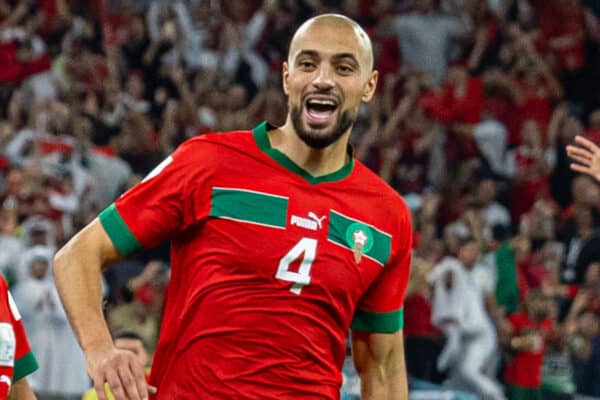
{"x": 24, "y": 366}
{"x": 383, "y": 322}
{"x": 118, "y": 231}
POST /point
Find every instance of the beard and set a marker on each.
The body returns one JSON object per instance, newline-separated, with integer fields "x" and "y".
{"x": 313, "y": 137}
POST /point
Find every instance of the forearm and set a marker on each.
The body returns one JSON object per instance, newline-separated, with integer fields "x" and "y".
{"x": 379, "y": 361}
{"x": 80, "y": 291}
{"x": 379, "y": 384}
{"x": 77, "y": 272}
{"x": 20, "y": 390}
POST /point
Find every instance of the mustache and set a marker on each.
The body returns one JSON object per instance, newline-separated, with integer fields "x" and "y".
{"x": 325, "y": 92}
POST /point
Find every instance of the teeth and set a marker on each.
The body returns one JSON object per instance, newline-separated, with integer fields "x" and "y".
{"x": 322, "y": 102}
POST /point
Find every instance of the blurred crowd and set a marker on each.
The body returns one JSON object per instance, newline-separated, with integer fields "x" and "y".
{"x": 476, "y": 102}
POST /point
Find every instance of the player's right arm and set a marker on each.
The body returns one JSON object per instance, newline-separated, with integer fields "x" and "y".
{"x": 586, "y": 157}
{"x": 162, "y": 205}
{"x": 77, "y": 271}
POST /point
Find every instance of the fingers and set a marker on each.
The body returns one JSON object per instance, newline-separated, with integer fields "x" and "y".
{"x": 580, "y": 159}
{"x": 114, "y": 382}
{"x": 580, "y": 151}
{"x": 125, "y": 380}
{"x": 576, "y": 151}
{"x": 581, "y": 168}
{"x": 140, "y": 379}
{"x": 152, "y": 389}
{"x": 130, "y": 384}
{"x": 99, "y": 387}
{"x": 588, "y": 144}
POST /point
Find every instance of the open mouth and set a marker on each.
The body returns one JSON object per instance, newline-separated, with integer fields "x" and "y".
{"x": 320, "y": 110}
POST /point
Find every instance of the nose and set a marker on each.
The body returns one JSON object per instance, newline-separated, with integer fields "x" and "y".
{"x": 324, "y": 78}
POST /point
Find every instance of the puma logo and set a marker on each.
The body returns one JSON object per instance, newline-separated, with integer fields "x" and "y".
{"x": 316, "y": 218}
{"x": 313, "y": 222}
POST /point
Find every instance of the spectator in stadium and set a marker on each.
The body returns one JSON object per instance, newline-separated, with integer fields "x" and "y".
{"x": 142, "y": 304}
{"x": 585, "y": 344}
{"x": 328, "y": 74}
{"x": 129, "y": 341}
{"x": 62, "y": 365}
{"x": 11, "y": 246}
{"x": 529, "y": 331}
{"x": 459, "y": 311}
{"x": 494, "y": 215}
{"x": 426, "y": 36}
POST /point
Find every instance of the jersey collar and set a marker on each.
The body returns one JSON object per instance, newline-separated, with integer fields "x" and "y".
{"x": 262, "y": 141}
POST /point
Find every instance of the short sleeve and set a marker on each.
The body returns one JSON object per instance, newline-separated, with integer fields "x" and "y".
{"x": 157, "y": 208}
{"x": 380, "y": 308}
{"x": 24, "y": 360}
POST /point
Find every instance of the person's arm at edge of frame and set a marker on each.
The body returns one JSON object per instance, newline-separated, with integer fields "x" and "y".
{"x": 20, "y": 390}
{"x": 77, "y": 271}
{"x": 379, "y": 361}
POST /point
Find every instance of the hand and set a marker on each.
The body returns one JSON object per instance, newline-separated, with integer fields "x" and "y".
{"x": 121, "y": 370}
{"x": 177, "y": 74}
{"x": 151, "y": 271}
{"x": 530, "y": 342}
{"x": 549, "y": 288}
{"x": 581, "y": 300}
{"x": 587, "y": 157}
{"x": 391, "y": 154}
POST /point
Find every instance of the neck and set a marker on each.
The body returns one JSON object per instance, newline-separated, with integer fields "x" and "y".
{"x": 317, "y": 162}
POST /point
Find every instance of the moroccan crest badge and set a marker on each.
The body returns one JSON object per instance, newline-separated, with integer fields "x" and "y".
{"x": 360, "y": 239}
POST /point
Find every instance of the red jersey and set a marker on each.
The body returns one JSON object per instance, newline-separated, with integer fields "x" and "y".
{"x": 269, "y": 266}
{"x": 16, "y": 358}
{"x": 525, "y": 369}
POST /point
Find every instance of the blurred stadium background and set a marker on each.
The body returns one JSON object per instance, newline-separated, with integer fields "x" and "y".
{"x": 476, "y": 101}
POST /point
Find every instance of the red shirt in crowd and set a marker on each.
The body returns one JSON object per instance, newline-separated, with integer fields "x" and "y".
{"x": 417, "y": 317}
{"x": 525, "y": 369}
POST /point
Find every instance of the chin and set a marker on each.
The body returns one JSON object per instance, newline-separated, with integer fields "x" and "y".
{"x": 322, "y": 135}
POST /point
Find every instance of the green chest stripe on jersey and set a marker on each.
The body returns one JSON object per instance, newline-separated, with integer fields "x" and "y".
{"x": 249, "y": 206}
{"x": 378, "y": 243}
{"x": 378, "y": 322}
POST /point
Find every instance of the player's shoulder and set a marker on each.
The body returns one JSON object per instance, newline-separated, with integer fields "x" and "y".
{"x": 230, "y": 138}
{"x": 374, "y": 184}
{"x": 216, "y": 145}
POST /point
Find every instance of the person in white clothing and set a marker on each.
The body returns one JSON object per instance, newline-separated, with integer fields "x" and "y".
{"x": 459, "y": 311}
{"x": 62, "y": 373}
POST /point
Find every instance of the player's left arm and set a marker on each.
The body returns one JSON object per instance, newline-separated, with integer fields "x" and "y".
{"x": 20, "y": 390}
{"x": 377, "y": 327}
{"x": 379, "y": 361}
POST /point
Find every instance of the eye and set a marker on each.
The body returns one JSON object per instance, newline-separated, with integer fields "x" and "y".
{"x": 306, "y": 64}
{"x": 345, "y": 69}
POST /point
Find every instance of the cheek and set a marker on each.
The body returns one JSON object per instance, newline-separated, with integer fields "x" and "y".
{"x": 354, "y": 93}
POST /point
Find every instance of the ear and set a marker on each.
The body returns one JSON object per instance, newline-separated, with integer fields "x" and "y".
{"x": 285, "y": 72}
{"x": 370, "y": 86}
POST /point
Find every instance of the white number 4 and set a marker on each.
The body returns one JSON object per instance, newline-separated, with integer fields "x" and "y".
{"x": 305, "y": 246}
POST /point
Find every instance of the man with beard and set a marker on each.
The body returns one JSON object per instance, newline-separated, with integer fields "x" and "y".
{"x": 281, "y": 242}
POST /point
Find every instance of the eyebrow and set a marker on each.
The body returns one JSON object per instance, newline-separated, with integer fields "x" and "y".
{"x": 336, "y": 57}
